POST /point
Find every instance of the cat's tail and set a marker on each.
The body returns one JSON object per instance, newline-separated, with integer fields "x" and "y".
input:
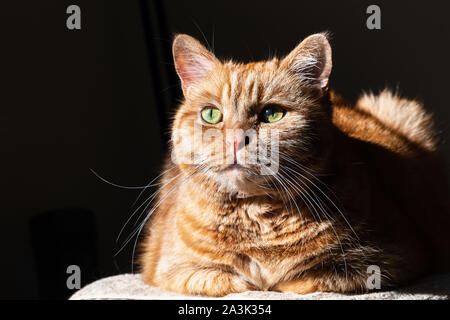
{"x": 407, "y": 117}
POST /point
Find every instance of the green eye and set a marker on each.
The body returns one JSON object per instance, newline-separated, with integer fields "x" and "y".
{"x": 272, "y": 114}
{"x": 211, "y": 115}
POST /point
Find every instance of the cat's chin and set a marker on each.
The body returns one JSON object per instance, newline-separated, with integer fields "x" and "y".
{"x": 237, "y": 184}
{"x": 242, "y": 194}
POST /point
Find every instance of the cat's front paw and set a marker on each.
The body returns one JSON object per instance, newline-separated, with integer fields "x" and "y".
{"x": 226, "y": 284}
{"x": 301, "y": 286}
{"x": 209, "y": 282}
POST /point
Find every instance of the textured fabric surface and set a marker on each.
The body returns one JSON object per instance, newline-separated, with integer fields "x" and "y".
{"x": 131, "y": 286}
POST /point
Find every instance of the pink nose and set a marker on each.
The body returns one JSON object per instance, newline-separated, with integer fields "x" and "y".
{"x": 235, "y": 142}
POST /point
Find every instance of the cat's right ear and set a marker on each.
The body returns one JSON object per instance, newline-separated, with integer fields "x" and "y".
{"x": 193, "y": 61}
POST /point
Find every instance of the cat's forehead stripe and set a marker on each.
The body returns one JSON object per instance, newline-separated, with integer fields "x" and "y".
{"x": 244, "y": 87}
{"x": 226, "y": 90}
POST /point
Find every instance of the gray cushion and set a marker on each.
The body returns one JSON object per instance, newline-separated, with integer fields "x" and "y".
{"x": 131, "y": 286}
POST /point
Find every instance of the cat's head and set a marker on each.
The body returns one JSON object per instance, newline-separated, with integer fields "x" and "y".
{"x": 244, "y": 127}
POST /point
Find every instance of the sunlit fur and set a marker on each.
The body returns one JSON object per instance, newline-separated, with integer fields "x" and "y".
{"x": 357, "y": 185}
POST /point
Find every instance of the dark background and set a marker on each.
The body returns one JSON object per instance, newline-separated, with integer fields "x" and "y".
{"x": 97, "y": 98}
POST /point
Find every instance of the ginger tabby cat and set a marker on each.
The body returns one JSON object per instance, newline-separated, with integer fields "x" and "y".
{"x": 354, "y": 186}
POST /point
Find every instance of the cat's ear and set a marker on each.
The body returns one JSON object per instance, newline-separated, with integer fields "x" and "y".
{"x": 193, "y": 61}
{"x": 311, "y": 60}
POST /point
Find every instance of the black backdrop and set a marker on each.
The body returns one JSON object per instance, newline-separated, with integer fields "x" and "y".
{"x": 75, "y": 100}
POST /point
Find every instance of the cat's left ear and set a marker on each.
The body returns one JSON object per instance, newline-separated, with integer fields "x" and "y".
{"x": 311, "y": 60}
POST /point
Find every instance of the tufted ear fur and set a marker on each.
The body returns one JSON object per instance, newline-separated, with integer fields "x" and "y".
{"x": 192, "y": 60}
{"x": 311, "y": 60}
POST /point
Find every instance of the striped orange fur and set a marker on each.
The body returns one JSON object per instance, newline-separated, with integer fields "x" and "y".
{"x": 356, "y": 186}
